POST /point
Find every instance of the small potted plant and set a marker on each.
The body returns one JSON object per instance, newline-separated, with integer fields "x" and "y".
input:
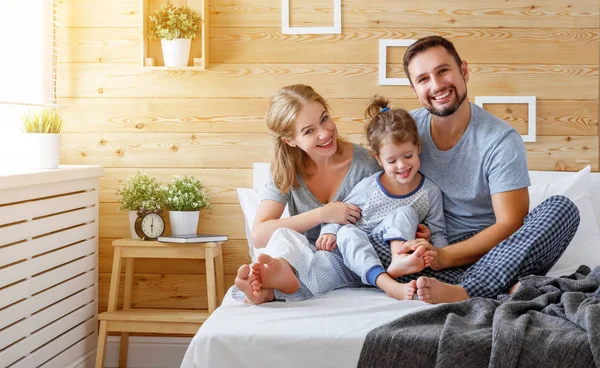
{"x": 175, "y": 26}
{"x": 139, "y": 192}
{"x": 42, "y": 137}
{"x": 184, "y": 198}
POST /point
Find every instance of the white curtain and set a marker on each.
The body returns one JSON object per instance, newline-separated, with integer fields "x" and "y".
{"x": 28, "y": 66}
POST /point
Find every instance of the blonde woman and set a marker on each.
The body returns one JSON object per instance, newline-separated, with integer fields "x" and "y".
{"x": 313, "y": 170}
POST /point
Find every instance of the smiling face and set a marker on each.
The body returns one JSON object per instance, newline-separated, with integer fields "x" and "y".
{"x": 400, "y": 162}
{"x": 314, "y": 131}
{"x": 439, "y": 83}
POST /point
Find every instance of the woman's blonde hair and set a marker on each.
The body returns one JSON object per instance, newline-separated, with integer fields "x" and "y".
{"x": 287, "y": 161}
{"x": 389, "y": 125}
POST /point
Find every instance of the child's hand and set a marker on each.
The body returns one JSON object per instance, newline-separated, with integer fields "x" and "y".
{"x": 326, "y": 242}
{"x": 423, "y": 232}
{"x": 339, "y": 213}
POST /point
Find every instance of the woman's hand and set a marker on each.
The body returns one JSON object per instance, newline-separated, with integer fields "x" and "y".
{"x": 423, "y": 232}
{"x": 339, "y": 213}
{"x": 326, "y": 242}
{"x": 437, "y": 261}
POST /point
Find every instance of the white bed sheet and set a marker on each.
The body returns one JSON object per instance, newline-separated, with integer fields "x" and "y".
{"x": 326, "y": 331}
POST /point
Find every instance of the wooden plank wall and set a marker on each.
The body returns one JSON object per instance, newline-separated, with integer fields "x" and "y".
{"x": 210, "y": 123}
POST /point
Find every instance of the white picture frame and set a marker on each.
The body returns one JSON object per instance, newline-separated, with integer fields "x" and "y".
{"x": 337, "y": 21}
{"x": 531, "y": 114}
{"x": 383, "y": 45}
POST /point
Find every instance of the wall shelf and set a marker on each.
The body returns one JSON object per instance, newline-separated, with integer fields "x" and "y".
{"x": 151, "y": 49}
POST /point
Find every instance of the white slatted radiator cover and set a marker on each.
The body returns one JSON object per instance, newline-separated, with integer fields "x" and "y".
{"x": 48, "y": 266}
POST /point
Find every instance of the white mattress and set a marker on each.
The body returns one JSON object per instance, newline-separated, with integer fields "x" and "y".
{"x": 326, "y": 331}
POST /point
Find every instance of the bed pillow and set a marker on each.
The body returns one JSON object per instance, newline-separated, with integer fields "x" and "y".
{"x": 249, "y": 201}
{"x": 585, "y": 246}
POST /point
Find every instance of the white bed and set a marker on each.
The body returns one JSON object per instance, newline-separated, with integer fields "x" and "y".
{"x": 328, "y": 331}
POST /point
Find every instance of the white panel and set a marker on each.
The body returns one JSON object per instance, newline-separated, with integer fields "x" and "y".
{"x": 28, "y": 210}
{"x": 383, "y": 45}
{"x": 27, "y": 326}
{"x": 57, "y": 346}
{"x": 285, "y": 21}
{"x": 73, "y": 353}
{"x": 40, "y": 301}
{"x": 41, "y": 337}
{"x": 31, "y": 248}
{"x": 25, "y": 289}
{"x": 30, "y": 229}
{"x": 531, "y": 116}
{"x": 43, "y": 263}
{"x": 24, "y": 193}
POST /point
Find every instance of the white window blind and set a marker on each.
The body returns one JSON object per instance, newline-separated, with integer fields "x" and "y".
{"x": 28, "y": 67}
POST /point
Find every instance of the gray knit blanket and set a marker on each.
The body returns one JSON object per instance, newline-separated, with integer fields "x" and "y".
{"x": 548, "y": 322}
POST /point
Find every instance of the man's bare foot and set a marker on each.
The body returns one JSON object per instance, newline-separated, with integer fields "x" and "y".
{"x": 434, "y": 291}
{"x": 275, "y": 273}
{"x": 244, "y": 281}
{"x": 407, "y": 263}
{"x": 514, "y": 287}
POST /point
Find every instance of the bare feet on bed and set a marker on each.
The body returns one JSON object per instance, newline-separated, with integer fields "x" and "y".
{"x": 409, "y": 263}
{"x": 247, "y": 283}
{"x": 394, "y": 289}
{"x": 275, "y": 273}
{"x": 434, "y": 291}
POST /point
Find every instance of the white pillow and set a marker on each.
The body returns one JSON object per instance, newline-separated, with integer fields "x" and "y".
{"x": 249, "y": 201}
{"x": 585, "y": 246}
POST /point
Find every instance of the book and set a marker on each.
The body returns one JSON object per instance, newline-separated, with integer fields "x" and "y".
{"x": 192, "y": 238}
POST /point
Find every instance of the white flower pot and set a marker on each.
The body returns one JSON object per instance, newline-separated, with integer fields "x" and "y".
{"x": 184, "y": 222}
{"x": 132, "y": 216}
{"x": 176, "y": 52}
{"x": 42, "y": 150}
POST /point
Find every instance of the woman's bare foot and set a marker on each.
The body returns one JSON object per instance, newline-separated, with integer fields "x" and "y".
{"x": 434, "y": 291}
{"x": 275, "y": 273}
{"x": 408, "y": 263}
{"x": 244, "y": 281}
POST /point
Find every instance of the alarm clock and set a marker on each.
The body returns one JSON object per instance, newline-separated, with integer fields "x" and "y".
{"x": 149, "y": 225}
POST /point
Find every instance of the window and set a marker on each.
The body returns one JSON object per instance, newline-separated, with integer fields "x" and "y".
{"x": 28, "y": 67}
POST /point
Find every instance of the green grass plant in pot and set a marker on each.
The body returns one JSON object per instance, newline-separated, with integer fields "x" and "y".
{"x": 175, "y": 26}
{"x": 184, "y": 198}
{"x": 42, "y": 138}
{"x": 139, "y": 192}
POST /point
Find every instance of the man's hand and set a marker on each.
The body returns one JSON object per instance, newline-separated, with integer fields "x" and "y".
{"x": 423, "y": 232}
{"x": 326, "y": 242}
{"x": 436, "y": 262}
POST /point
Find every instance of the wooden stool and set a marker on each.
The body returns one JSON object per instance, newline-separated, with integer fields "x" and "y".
{"x": 156, "y": 320}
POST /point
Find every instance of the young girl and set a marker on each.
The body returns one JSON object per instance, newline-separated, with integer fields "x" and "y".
{"x": 312, "y": 171}
{"x": 393, "y": 202}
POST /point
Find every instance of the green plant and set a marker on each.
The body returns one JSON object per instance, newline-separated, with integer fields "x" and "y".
{"x": 170, "y": 22}
{"x": 186, "y": 194}
{"x": 140, "y": 192}
{"x": 42, "y": 121}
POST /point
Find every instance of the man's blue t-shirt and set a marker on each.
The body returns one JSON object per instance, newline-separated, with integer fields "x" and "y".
{"x": 489, "y": 158}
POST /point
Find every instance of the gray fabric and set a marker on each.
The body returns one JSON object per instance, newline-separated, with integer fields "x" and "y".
{"x": 301, "y": 199}
{"x": 548, "y": 322}
{"x": 489, "y": 158}
{"x": 377, "y": 204}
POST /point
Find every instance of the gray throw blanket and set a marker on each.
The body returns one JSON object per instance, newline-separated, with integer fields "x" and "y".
{"x": 548, "y": 322}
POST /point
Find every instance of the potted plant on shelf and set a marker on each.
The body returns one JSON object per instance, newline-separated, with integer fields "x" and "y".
{"x": 140, "y": 192}
{"x": 175, "y": 26}
{"x": 42, "y": 137}
{"x": 184, "y": 198}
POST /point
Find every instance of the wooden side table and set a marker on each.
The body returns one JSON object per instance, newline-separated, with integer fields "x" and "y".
{"x": 156, "y": 320}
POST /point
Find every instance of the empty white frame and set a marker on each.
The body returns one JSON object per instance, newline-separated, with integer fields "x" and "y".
{"x": 383, "y": 45}
{"x": 337, "y": 21}
{"x": 531, "y": 115}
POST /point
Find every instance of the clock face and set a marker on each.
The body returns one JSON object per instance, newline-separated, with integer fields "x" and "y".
{"x": 153, "y": 225}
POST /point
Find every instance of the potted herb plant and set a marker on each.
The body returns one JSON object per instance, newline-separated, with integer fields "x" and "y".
{"x": 42, "y": 137}
{"x": 184, "y": 198}
{"x": 139, "y": 192}
{"x": 175, "y": 26}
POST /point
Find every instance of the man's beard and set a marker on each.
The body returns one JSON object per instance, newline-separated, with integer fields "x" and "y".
{"x": 449, "y": 110}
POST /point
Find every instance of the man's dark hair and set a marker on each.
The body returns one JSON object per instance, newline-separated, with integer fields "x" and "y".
{"x": 426, "y": 43}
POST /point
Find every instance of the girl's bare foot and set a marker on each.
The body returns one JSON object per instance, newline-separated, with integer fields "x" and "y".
{"x": 275, "y": 273}
{"x": 434, "y": 291}
{"x": 244, "y": 281}
{"x": 408, "y": 263}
